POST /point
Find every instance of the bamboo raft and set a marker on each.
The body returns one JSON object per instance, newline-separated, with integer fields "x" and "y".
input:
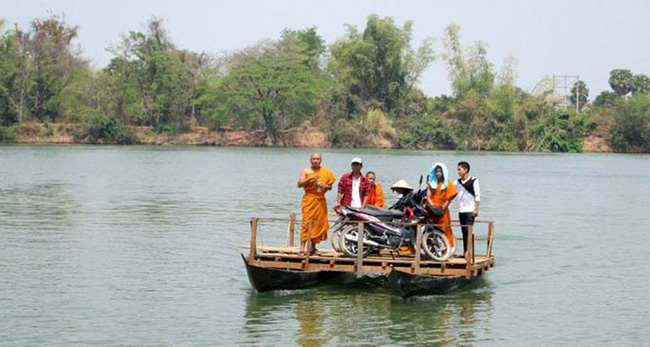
{"x": 284, "y": 267}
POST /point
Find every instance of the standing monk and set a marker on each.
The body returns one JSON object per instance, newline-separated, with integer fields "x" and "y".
{"x": 376, "y": 194}
{"x": 316, "y": 181}
{"x": 440, "y": 192}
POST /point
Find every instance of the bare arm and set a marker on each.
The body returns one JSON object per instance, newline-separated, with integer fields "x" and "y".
{"x": 429, "y": 196}
{"x": 303, "y": 180}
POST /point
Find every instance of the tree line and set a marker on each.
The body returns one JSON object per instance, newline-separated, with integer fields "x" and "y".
{"x": 361, "y": 90}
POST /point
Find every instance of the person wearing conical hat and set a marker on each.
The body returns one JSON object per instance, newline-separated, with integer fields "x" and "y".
{"x": 401, "y": 188}
{"x": 440, "y": 192}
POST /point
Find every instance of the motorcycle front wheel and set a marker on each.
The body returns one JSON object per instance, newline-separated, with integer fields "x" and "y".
{"x": 436, "y": 245}
{"x": 349, "y": 247}
{"x": 336, "y": 238}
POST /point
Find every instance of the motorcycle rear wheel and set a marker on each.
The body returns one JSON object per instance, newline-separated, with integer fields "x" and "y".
{"x": 348, "y": 247}
{"x": 436, "y": 245}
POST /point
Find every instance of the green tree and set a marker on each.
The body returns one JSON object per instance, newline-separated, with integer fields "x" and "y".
{"x": 631, "y": 131}
{"x": 579, "y": 94}
{"x": 484, "y": 113}
{"x": 51, "y": 65}
{"x": 379, "y": 66}
{"x": 558, "y": 132}
{"x": 468, "y": 67}
{"x": 640, "y": 84}
{"x": 605, "y": 98}
{"x": 9, "y": 77}
{"x": 269, "y": 86}
{"x": 313, "y": 44}
{"x": 155, "y": 83}
{"x": 621, "y": 81}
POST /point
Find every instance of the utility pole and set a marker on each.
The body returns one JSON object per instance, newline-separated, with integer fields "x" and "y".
{"x": 565, "y": 82}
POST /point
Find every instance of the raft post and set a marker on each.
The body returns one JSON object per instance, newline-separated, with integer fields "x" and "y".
{"x": 307, "y": 247}
{"x": 291, "y": 231}
{"x": 490, "y": 235}
{"x": 360, "y": 249}
{"x": 252, "y": 254}
{"x": 418, "y": 243}
{"x": 469, "y": 263}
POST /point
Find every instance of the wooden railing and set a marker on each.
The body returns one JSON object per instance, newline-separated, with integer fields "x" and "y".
{"x": 290, "y": 241}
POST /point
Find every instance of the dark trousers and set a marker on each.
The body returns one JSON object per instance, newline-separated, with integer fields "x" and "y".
{"x": 466, "y": 218}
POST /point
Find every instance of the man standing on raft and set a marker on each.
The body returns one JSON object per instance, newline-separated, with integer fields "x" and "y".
{"x": 316, "y": 181}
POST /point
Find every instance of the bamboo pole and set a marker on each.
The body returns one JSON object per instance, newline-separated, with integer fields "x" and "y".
{"x": 418, "y": 245}
{"x": 360, "y": 250}
{"x": 252, "y": 254}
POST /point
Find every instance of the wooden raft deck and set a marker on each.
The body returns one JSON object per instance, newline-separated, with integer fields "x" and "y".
{"x": 328, "y": 260}
{"x": 288, "y": 258}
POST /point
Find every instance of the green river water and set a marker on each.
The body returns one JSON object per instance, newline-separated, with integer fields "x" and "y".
{"x": 137, "y": 246}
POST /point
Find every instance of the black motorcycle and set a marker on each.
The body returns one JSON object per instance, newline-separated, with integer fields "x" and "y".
{"x": 390, "y": 229}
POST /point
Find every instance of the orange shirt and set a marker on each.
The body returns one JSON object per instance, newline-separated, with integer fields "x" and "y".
{"x": 376, "y": 196}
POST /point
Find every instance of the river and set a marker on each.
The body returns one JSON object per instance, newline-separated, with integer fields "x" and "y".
{"x": 136, "y": 245}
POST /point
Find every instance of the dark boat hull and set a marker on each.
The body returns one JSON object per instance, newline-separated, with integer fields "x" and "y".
{"x": 265, "y": 279}
{"x": 406, "y": 284}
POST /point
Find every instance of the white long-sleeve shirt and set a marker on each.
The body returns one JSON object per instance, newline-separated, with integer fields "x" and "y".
{"x": 465, "y": 199}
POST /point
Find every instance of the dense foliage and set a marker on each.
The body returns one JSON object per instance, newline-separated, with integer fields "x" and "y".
{"x": 362, "y": 91}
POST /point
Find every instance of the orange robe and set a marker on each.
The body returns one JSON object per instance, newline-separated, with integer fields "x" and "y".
{"x": 439, "y": 198}
{"x": 376, "y": 196}
{"x": 314, "y": 208}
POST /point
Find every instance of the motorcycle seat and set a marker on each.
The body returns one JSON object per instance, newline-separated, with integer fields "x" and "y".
{"x": 379, "y": 212}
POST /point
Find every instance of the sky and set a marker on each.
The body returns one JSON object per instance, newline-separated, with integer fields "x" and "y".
{"x": 551, "y": 37}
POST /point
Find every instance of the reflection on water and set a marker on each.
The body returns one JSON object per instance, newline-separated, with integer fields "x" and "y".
{"x": 366, "y": 312}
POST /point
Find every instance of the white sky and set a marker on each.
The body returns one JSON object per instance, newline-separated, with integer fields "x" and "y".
{"x": 586, "y": 38}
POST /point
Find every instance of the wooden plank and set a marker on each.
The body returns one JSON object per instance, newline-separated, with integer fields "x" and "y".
{"x": 490, "y": 238}
{"x": 456, "y": 263}
{"x": 292, "y": 227}
{"x": 253, "y": 249}
{"x": 470, "y": 249}
{"x": 308, "y": 247}
{"x": 352, "y": 268}
{"x": 418, "y": 243}
{"x": 360, "y": 249}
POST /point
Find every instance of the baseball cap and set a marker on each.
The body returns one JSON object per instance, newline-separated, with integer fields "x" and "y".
{"x": 356, "y": 160}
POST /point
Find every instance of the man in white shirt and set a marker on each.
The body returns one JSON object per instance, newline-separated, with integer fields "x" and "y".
{"x": 469, "y": 199}
{"x": 353, "y": 187}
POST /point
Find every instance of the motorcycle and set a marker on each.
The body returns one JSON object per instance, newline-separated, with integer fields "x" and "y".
{"x": 380, "y": 232}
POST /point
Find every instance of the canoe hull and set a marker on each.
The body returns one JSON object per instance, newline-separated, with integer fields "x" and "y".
{"x": 265, "y": 279}
{"x": 405, "y": 284}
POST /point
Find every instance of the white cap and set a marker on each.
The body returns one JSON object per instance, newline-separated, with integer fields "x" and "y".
{"x": 357, "y": 160}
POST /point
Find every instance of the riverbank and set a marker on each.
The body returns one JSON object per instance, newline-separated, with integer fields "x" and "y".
{"x": 64, "y": 133}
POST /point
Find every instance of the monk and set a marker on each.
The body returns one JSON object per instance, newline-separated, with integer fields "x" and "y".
{"x": 376, "y": 194}
{"x": 440, "y": 192}
{"x": 316, "y": 181}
